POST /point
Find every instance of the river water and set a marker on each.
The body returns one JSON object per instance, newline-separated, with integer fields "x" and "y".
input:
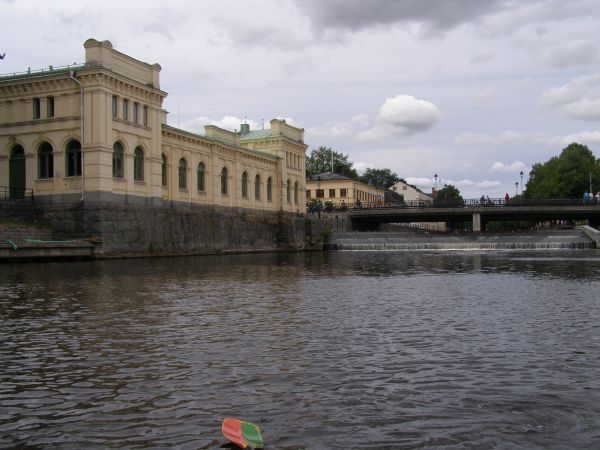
{"x": 341, "y": 350}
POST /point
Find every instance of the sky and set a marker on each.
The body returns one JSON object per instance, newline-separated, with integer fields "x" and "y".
{"x": 471, "y": 91}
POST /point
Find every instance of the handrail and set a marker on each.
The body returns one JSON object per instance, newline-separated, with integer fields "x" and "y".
{"x": 15, "y": 193}
{"x": 329, "y": 206}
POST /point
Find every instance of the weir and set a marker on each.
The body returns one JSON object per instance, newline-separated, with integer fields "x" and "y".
{"x": 539, "y": 240}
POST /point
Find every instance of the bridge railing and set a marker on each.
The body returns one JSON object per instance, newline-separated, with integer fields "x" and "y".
{"x": 465, "y": 203}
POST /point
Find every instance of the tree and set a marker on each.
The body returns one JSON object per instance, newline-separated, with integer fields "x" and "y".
{"x": 564, "y": 176}
{"x": 448, "y": 195}
{"x": 319, "y": 161}
{"x": 380, "y": 177}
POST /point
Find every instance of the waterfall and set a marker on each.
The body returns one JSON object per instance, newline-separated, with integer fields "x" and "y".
{"x": 419, "y": 241}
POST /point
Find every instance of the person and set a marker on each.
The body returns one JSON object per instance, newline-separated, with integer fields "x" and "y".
{"x": 586, "y": 197}
{"x": 598, "y": 197}
{"x": 482, "y": 199}
{"x": 506, "y": 198}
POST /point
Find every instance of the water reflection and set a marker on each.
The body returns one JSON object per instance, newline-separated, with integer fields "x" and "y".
{"x": 341, "y": 350}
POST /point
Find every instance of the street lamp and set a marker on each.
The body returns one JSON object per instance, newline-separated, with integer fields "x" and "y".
{"x": 516, "y": 188}
{"x": 521, "y": 182}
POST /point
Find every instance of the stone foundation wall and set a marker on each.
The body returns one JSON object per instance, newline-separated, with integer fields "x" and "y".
{"x": 137, "y": 229}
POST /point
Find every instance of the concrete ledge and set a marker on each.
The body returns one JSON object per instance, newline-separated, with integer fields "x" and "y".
{"x": 592, "y": 233}
{"x": 46, "y": 251}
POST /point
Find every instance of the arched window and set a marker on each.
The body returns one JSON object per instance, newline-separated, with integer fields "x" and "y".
{"x": 269, "y": 189}
{"x": 73, "y": 155}
{"x": 163, "y": 170}
{"x": 224, "y": 181}
{"x": 182, "y": 174}
{"x": 138, "y": 164}
{"x": 288, "y": 189}
{"x": 201, "y": 175}
{"x": 244, "y": 184}
{"x": 257, "y": 187}
{"x": 45, "y": 161}
{"x": 296, "y": 192}
{"x": 117, "y": 160}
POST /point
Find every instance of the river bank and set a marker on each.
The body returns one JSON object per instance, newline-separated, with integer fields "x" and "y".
{"x": 574, "y": 238}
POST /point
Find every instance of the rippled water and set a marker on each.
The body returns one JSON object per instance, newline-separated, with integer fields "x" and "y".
{"x": 362, "y": 350}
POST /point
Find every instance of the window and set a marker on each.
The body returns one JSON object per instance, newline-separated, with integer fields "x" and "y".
{"x": 163, "y": 170}
{"x": 145, "y": 116}
{"x": 288, "y": 189}
{"x": 73, "y": 155}
{"x": 114, "y": 106}
{"x": 117, "y": 160}
{"x": 343, "y": 192}
{"x": 135, "y": 112}
{"x": 320, "y": 193}
{"x": 296, "y": 192}
{"x": 201, "y": 175}
{"x": 245, "y": 184}
{"x": 331, "y": 193}
{"x": 138, "y": 164}
{"x": 36, "y": 108}
{"x": 182, "y": 174}
{"x": 125, "y": 109}
{"x": 269, "y": 189}
{"x": 257, "y": 187}
{"x": 224, "y": 181}
{"x": 50, "y": 107}
{"x": 45, "y": 161}
{"x": 308, "y": 193}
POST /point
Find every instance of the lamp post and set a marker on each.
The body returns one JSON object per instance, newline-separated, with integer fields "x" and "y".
{"x": 521, "y": 173}
{"x": 516, "y": 188}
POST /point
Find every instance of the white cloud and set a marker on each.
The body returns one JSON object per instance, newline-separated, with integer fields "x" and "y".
{"x": 340, "y": 129}
{"x": 578, "y": 99}
{"x": 400, "y": 116}
{"x": 514, "y": 167}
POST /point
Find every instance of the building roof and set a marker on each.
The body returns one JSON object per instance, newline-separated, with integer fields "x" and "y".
{"x": 41, "y": 72}
{"x": 256, "y": 134}
{"x": 328, "y": 176}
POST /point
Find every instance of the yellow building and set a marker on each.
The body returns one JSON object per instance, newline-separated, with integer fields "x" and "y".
{"x": 98, "y": 132}
{"x": 341, "y": 190}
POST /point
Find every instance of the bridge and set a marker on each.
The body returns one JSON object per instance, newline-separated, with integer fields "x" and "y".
{"x": 477, "y": 211}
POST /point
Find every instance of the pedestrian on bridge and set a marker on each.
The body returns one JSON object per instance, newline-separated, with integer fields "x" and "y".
{"x": 506, "y": 198}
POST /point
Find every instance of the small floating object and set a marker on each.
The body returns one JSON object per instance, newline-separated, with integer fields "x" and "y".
{"x": 244, "y": 434}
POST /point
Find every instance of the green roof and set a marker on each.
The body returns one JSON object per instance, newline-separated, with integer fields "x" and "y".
{"x": 40, "y": 72}
{"x": 257, "y": 134}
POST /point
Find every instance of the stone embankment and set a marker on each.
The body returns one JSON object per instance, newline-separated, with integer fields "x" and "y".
{"x": 574, "y": 238}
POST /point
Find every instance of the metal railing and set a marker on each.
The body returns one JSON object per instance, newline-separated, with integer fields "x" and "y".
{"x": 465, "y": 203}
{"x": 16, "y": 193}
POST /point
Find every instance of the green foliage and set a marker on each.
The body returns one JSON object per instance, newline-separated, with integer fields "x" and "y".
{"x": 564, "y": 176}
{"x": 319, "y": 161}
{"x": 449, "y": 195}
{"x": 380, "y": 177}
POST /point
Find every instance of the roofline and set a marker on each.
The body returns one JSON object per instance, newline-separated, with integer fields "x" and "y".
{"x": 214, "y": 140}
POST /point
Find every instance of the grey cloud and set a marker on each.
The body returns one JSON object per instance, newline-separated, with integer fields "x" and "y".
{"x": 574, "y": 54}
{"x": 433, "y": 14}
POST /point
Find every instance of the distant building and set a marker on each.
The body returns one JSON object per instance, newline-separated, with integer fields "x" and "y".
{"x": 98, "y": 132}
{"x": 410, "y": 193}
{"x": 339, "y": 189}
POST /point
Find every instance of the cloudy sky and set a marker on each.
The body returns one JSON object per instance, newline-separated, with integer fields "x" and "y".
{"x": 473, "y": 91}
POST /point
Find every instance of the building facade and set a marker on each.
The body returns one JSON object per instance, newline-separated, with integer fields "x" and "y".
{"x": 411, "y": 193}
{"x": 98, "y": 132}
{"x": 341, "y": 190}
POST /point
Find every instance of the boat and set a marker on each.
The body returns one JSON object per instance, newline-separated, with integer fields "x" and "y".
{"x": 244, "y": 434}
